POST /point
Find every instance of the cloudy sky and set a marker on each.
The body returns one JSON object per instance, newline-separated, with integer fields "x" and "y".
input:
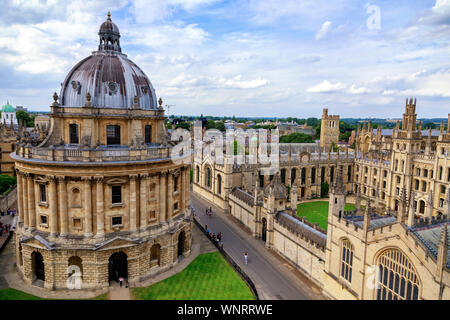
{"x": 242, "y": 57}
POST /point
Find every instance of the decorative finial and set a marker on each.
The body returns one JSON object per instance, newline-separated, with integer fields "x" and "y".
{"x": 88, "y": 97}
{"x": 109, "y": 15}
{"x": 160, "y": 101}
{"x": 55, "y": 97}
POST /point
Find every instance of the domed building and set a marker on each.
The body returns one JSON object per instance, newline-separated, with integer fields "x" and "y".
{"x": 9, "y": 114}
{"x": 102, "y": 196}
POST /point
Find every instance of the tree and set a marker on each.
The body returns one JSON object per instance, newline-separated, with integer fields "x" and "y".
{"x": 296, "y": 137}
{"x": 22, "y": 115}
{"x": 324, "y": 188}
{"x": 6, "y": 183}
{"x": 183, "y": 125}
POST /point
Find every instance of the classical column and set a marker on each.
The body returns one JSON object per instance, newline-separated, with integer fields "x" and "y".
{"x": 19, "y": 195}
{"x": 133, "y": 209}
{"x": 63, "y": 218}
{"x": 53, "y": 206}
{"x": 87, "y": 206}
{"x": 100, "y": 213}
{"x": 170, "y": 179}
{"x": 143, "y": 201}
{"x": 162, "y": 196}
{"x": 182, "y": 188}
{"x": 24, "y": 200}
{"x": 31, "y": 203}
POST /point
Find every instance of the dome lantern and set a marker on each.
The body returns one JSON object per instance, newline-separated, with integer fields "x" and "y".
{"x": 109, "y": 36}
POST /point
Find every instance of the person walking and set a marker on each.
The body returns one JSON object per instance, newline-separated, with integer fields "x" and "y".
{"x": 121, "y": 281}
{"x": 246, "y": 257}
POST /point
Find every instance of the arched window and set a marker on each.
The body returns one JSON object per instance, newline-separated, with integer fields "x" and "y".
{"x": 303, "y": 175}
{"x": 346, "y": 260}
{"x": 155, "y": 254}
{"x": 422, "y": 206}
{"x": 283, "y": 176}
{"x": 293, "y": 175}
{"x": 208, "y": 177}
{"x": 397, "y": 277}
{"x": 198, "y": 174}
{"x": 73, "y": 133}
{"x": 75, "y": 268}
{"x": 75, "y": 199}
{"x": 219, "y": 184}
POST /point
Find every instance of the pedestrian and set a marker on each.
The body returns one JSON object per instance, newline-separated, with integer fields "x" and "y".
{"x": 246, "y": 257}
{"x": 206, "y": 211}
{"x": 219, "y": 236}
{"x": 121, "y": 281}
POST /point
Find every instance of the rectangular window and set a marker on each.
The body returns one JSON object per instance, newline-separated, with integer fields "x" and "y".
{"x": 116, "y": 221}
{"x": 175, "y": 184}
{"x": 44, "y": 220}
{"x": 43, "y": 193}
{"x": 148, "y": 134}
{"x": 77, "y": 223}
{"x": 73, "y": 132}
{"x": 116, "y": 194}
{"x": 113, "y": 135}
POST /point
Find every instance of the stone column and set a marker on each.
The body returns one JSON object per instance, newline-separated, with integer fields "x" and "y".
{"x": 53, "y": 200}
{"x": 182, "y": 188}
{"x": 31, "y": 203}
{"x": 187, "y": 186}
{"x": 100, "y": 204}
{"x": 19, "y": 195}
{"x": 170, "y": 178}
{"x": 162, "y": 196}
{"x": 62, "y": 190}
{"x": 133, "y": 209}
{"x": 87, "y": 206}
{"x": 143, "y": 201}
{"x": 24, "y": 200}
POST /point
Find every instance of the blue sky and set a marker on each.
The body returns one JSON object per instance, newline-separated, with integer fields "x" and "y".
{"x": 244, "y": 58}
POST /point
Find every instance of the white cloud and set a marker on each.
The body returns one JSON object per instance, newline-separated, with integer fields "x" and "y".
{"x": 327, "y": 87}
{"x": 324, "y": 30}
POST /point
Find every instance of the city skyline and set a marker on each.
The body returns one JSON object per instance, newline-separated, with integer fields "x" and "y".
{"x": 246, "y": 58}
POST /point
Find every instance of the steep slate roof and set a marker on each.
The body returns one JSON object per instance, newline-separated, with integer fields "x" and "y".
{"x": 430, "y": 236}
{"x": 242, "y": 195}
{"x": 376, "y": 221}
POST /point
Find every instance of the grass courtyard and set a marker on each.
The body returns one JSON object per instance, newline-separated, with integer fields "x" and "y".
{"x": 208, "y": 277}
{"x": 317, "y": 212}
{"x": 13, "y": 294}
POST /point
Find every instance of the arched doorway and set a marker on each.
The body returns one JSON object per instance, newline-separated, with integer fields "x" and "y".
{"x": 118, "y": 266}
{"x": 38, "y": 266}
{"x": 264, "y": 230}
{"x": 180, "y": 246}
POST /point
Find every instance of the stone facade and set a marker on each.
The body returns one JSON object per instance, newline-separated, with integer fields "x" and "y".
{"x": 329, "y": 130}
{"x": 102, "y": 196}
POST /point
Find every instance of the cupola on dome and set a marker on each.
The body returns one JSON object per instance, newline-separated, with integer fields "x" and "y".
{"x": 111, "y": 79}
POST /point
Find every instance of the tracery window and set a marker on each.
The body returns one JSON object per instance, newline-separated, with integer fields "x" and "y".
{"x": 397, "y": 277}
{"x": 346, "y": 260}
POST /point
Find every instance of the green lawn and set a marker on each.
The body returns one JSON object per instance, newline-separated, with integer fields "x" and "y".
{"x": 208, "y": 277}
{"x": 317, "y": 212}
{"x": 13, "y": 294}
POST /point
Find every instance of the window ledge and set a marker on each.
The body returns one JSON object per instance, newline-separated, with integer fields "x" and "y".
{"x": 117, "y": 205}
{"x": 43, "y": 204}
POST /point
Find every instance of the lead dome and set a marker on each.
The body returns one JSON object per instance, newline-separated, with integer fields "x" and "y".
{"x": 111, "y": 79}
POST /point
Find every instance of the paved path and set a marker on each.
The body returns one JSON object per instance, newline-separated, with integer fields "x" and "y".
{"x": 274, "y": 278}
{"x": 119, "y": 293}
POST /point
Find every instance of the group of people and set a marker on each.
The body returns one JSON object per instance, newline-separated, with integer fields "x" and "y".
{"x": 217, "y": 238}
{"x": 4, "y": 228}
{"x": 9, "y": 211}
{"x": 208, "y": 212}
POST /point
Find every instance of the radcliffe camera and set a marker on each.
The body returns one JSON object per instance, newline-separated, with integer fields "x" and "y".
{"x": 233, "y": 158}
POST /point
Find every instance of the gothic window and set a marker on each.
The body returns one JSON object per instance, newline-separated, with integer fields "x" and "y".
{"x": 422, "y": 207}
{"x": 175, "y": 184}
{"x": 113, "y": 135}
{"x": 397, "y": 277}
{"x": 219, "y": 184}
{"x": 313, "y": 175}
{"x": 198, "y": 174}
{"x": 349, "y": 173}
{"x": 303, "y": 175}
{"x": 346, "y": 260}
{"x": 283, "y": 176}
{"x": 73, "y": 133}
{"x": 331, "y": 174}
{"x": 261, "y": 180}
{"x": 208, "y": 177}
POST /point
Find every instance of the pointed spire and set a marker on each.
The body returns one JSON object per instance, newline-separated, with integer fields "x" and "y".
{"x": 358, "y": 200}
{"x": 109, "y": 15}
{"x": 367, "y": 217}
{"x": 442, "y": 252}
{"x": 412, "y": 210}
{"x": 338, "y": 184}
